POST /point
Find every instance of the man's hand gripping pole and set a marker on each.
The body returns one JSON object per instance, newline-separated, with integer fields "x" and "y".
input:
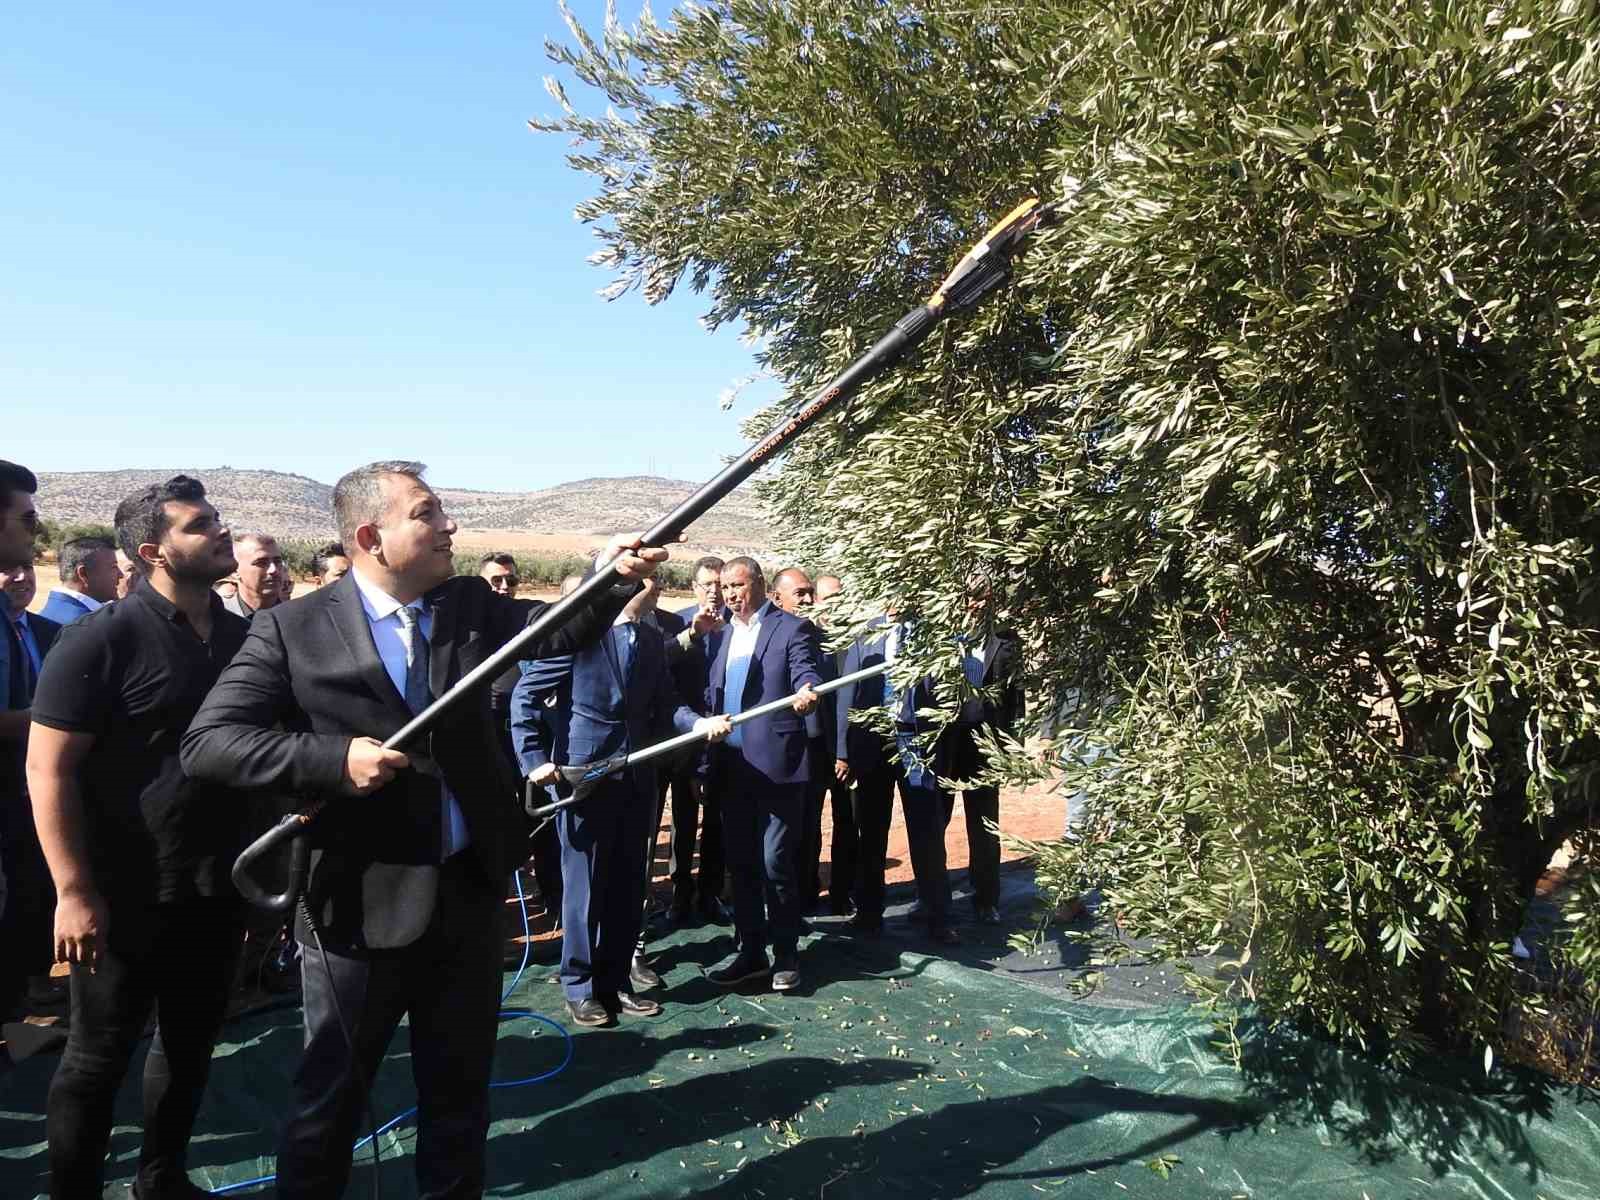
{"x": 984, "y": 268}
{"x": 574, "y": 783}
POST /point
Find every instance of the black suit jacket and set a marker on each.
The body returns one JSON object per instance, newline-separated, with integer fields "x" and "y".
{"x": 1006, "y": 708}
{"x": 308, "y": 679}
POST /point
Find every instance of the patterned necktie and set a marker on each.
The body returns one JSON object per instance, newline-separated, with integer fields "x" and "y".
{"x": 418, "y": 697}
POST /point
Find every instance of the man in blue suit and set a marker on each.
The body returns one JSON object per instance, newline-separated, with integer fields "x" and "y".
{"x": 614, "y": 697}
{"x": 694, "y": 804}
{"x": 875, "y": 764}
{"x": 90, "y": 577}
{"x": 27, "y": 943}
{"x": 762, "y": 771}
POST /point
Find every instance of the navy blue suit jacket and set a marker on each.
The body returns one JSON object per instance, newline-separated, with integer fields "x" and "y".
{"x": 787, "y": 657}
{"x": 597, "y": 711}
{"x": 14, "y": 755}
{"x": 63, "y": 608}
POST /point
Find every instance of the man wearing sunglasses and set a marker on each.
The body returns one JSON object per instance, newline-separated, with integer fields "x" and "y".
{"x": 19, "y": 524}
{"x": 19, "y": 521}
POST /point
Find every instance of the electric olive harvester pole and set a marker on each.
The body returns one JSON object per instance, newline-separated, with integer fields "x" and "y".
{"x": 985, "y": 267}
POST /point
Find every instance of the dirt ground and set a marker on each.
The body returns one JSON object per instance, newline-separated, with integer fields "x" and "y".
{"x": 1034, "y": 813}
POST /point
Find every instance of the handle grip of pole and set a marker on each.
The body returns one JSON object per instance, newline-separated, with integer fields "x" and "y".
{"x": 291, "y": 829}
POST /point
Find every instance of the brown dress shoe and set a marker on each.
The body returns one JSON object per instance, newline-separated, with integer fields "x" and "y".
{"x": 589, "y": 1012}
{"x": 631, "y": 1004}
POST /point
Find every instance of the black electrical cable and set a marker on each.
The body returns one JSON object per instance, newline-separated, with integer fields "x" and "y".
{"x": 349, "y": 1041}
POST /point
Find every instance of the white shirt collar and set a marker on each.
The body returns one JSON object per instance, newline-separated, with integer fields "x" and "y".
{"x": 88, "y": 602}
{"x": 755, "y": 618}
{"x": 379, "y": 604}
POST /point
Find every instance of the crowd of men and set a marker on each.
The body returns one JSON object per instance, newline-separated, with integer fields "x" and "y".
{"x": 168, "y": 703}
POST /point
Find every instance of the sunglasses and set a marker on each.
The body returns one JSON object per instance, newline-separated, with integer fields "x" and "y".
{"x": 30, "y": 521}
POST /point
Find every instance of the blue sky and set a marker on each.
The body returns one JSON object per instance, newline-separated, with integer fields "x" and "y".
{"x": 302, "y": 237}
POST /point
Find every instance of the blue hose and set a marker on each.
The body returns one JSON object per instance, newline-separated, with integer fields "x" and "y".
{"x": 506, "y": 1014}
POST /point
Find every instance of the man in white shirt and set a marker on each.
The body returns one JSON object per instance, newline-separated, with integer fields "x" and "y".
{"x": 762, "y": 772}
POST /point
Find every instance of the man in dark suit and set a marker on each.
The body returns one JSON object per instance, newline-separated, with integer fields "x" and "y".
{"x": 793, "y": 591}
{"x": 90, "y": 577}
{"x": 694, "y": 802}
{"x": 683, "y": 646}
{"x": 410, "y": 868}
{"x": 613, "y": 697}
{"x": 876, "y": 765}
{"x": 19, "y": 525}
{"x": 762, "y": 771}
{"x": 544, "y": 850}
{"x": 842, "y": 849}
{"x": 26, "y": 947}
{"x": 989, "y": 661}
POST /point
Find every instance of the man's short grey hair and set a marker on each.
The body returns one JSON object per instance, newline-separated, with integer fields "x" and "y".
{"x": 80, "y": 552}
{"x": 358, "y": 496}
{"x": 749, "y": 564}
{"x": 256, "y": 536}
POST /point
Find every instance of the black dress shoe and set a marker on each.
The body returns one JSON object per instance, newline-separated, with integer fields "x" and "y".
{"x": 679, "y": 915}
{"x": 865, "y": 926}
{"x": 988, "y": 914}
{"x": 786, "y": 974}
{"x": 630, "y": 1004}
{"x": 841, "y": 908}
{"x": 944, "y": 935}
{"x": 742, "y": 969}
{"x": 641, "y": 977}
{"x": 589, "y": 1012}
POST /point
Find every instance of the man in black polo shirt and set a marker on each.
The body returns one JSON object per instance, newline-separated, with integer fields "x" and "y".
{"x": 139, "y": 853}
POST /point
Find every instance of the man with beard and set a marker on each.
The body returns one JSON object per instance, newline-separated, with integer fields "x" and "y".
{"x": 402, "y": 912}
{"x": 146, "y": 914}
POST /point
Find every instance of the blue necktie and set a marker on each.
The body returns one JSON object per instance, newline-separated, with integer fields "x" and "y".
{"x": 418, "y": 696}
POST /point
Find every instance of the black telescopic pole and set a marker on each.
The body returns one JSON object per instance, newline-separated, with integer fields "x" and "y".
{"x": 985, "y": 267}
{"x": 906, "y": 333}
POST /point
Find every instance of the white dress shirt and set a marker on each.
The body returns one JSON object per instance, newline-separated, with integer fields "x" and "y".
{"x": 393, "y": 643}
{"x": 741, "y": 647}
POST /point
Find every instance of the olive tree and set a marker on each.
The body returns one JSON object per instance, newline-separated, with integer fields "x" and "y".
{"x": 1280, "y": 453}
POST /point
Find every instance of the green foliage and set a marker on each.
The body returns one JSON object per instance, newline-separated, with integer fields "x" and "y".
{"x": 546, "y": 571}
{"x": 1281, "y": 453}
{"x": 54, "y": 533}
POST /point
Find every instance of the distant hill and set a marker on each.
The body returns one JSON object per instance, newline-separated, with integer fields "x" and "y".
{"x": 293, "y": 506}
